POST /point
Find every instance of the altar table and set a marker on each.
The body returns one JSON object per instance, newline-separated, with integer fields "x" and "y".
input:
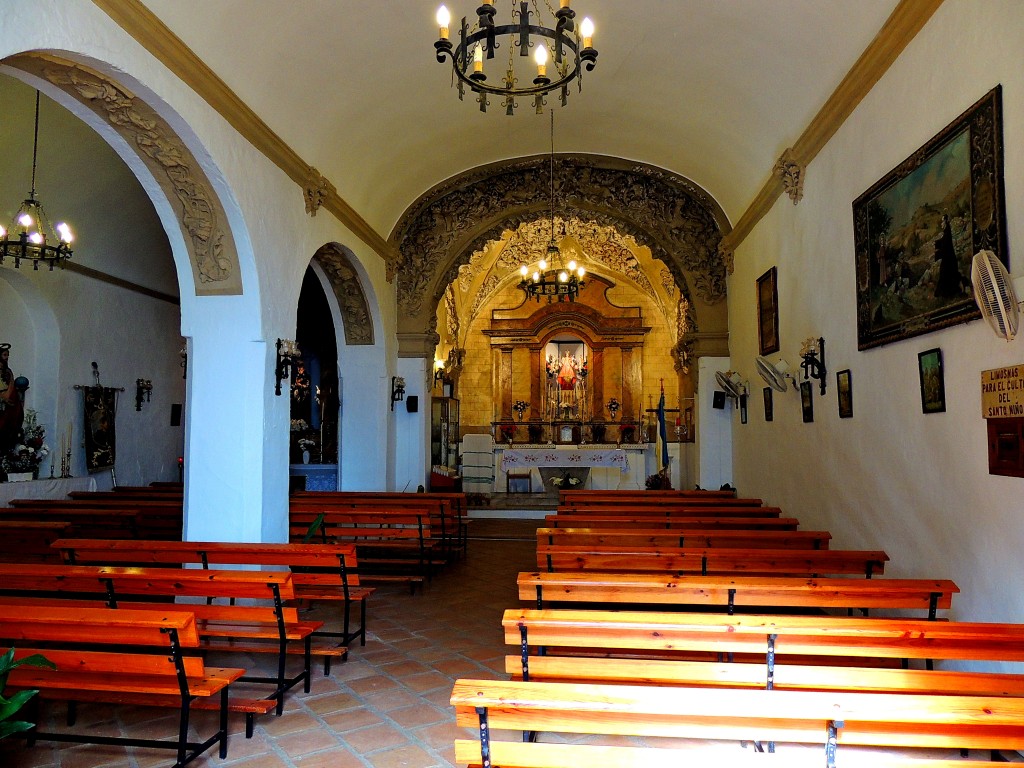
{"x": 45, "y": 488}
{"x": 519, "y": 458}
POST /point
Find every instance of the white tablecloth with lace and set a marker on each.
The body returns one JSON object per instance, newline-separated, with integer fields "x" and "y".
{"x": 45, "y": 488}
{"x": 528, "y": 458}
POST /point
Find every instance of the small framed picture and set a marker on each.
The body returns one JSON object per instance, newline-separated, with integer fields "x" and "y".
{"x": 769, "y": 404}
{"x": 933, "y": 385}
{"x": 807, "y": 402}
{"x": 743, "y": 408}
{"x": 844, "y": 386}
{"x": 768, "y": 312}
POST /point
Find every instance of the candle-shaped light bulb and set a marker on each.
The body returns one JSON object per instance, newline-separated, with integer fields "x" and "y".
{"x": 543, "y": 264}
{"x": 3, "y": 232}
{"x": 524, "y": 271}
{"x": 587, "y": 32}
{"x": 581, "y": 271}
{"x": 65, "y": 232}
{"x": 478, "y": 58}
{"x": 443, "y": 19}
{"x": 25, "y": 220}
{"x": 536, "y": 277}
{"x": 563, "y": 276}
{"x": 36, "y": 238}
{"x": 572, "y": 265}
{"x": 541, "y": 57}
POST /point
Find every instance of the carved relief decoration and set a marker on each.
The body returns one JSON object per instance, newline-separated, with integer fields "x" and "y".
{"x": 355, "y": 311}
{"x": 673, "y": 217}
{"x": 487, "y": 287}
{"x": 452, "y": 315}
{"x": 791, "y": 174}
{"x": 686, "y": 324}
{"x": 668, "y": 282}
{"x": 202, "y": 220}
{"x": 315, "y": 190}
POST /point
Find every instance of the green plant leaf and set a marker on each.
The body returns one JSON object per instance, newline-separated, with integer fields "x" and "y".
{"x": 9, "y": 706}
{"x": 313, "y": 527}
{"x": 13, "y": 726}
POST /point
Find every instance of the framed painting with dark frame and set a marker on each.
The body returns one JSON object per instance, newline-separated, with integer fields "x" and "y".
{"x": 933, "y": 385}
{"x": 917, "y": 229}
{"x": 768, "y": 312}
{"x": 807, "y": 402}
{"x": 844, "y": 388}
{"x": 769, "y": 404}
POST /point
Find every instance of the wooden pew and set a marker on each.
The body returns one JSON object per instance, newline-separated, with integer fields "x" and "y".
{"x": 668, "y": 510}
{"x": 392, "y": 544}
{"x": 832, "y": 720}
{"x": 28, "y": 541}
{"x": 662, "y": 521}
{"x": 445, "y": 513}
{"x": 152, "y": 519}
{"x": 325, "y": 572}
{"x": 84, "y": 521}
{"x": 731, "y": 592}
{"x": 582, "y": 495}
{"x": 685, "y": 537}
{"x": 138, "y": 657}
{"x": 270, "y": 626}
{"x": 709, "y": 560}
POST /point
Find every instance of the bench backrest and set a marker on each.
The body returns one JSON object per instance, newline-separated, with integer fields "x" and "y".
{"x": 730, "y": 591}
{"x": 685, "y": 537}
{"x": 707, "y": 560}
{"x": 694, "y": 521}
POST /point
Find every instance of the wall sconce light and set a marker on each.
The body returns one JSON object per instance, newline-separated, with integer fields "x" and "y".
{"x": 143, "y": 389}
{"x": 397, "y": 390}
{"x": 287, "y": 351}
{"x": 438, "y": 371}
{"x": 613, "y": 407}
{"x": 813, "y": 365}
{"x": 184, "y": 361}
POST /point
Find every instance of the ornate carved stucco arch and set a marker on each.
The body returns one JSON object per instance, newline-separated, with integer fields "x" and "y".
{"x": 203, "y": 221}
{"x": 676, "y": 219}
{"x": 355, "y": 311}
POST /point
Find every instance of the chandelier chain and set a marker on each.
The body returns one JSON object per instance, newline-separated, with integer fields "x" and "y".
{"x": 35, "y": 148}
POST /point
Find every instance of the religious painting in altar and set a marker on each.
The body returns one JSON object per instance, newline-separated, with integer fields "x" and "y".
{"x": 100, "y": 436}
{"x": 565, "y": 386}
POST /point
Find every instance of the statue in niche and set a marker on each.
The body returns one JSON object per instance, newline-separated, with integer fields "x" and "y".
{"x": 566, "y": 387}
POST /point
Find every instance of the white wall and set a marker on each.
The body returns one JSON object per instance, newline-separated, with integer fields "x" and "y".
{"x": 891, "y": 477}
{"x": 714, "y": 462}
{"x": 412, "y": 430}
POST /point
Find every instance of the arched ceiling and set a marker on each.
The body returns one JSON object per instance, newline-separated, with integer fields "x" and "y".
{"x": 713, "y": 90}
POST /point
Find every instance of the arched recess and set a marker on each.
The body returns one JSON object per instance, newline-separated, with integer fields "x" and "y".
{"x": 362, "y": 366}
{"x": 198, "y": 212}
{"x": 680, "y": 223}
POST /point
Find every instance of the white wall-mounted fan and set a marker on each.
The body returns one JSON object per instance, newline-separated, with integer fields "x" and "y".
{"x": 731, "y": 383}
{"x": 994, "y": 294}
{"x": 774, "y": 374}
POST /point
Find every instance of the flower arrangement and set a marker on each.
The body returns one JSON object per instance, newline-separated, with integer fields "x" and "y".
{"x": 305, "y": 444}
{"x": 520, "y": 406}
{"x": 658, "y": 482}
{"x": 28, "y": 454}
{"x": 299, "y": 425}
{"x": 508, "y": 432}
{"x": 565, "y": 480}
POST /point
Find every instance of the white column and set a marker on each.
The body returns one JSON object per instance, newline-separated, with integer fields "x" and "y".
{"x": 412, "y": 430}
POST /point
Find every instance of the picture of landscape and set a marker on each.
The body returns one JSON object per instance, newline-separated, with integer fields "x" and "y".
{"x": 915, "y": 232}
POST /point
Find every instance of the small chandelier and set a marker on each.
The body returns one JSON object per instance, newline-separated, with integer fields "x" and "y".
{"x": 30, "y": 236}
{"x": 571, "y": 50}
{"x": 550, "y": 278}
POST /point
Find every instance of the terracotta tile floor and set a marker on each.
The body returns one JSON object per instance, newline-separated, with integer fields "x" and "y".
{"x": 386, "y": 707}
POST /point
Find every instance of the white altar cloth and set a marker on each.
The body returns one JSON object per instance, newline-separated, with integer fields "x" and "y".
{"x": 516, "y": 458}
{"x": 45, "y": 488}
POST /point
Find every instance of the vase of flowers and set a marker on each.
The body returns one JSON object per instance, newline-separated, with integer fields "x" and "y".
{"x": 23, "y": 460}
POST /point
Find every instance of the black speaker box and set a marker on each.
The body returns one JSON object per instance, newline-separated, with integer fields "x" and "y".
{"x": 412, "y": 403}
{"x": 718, "y": 400}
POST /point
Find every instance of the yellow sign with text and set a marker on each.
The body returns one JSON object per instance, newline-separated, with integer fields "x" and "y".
{"x": 1002, "y": 392}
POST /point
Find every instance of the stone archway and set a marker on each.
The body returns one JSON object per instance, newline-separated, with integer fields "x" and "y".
{"x": 680, "y": 223}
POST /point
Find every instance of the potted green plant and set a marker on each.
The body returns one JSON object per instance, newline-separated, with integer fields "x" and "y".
{"x": 9, "y": 706}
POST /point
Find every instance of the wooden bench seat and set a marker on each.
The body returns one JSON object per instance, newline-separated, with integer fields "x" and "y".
{"x": 94, "y": 522}
{"x": 140, "y": 657}
{"x": 731, "y": 592}
{"x": 710, "y": 560}
{"x": 156, "y": 518}
{"x": 668, "y": 510}
{"x": 831, "y": 720}
{"x": 267, "y": 623}
{"x": 729, "y": 523}
{"x": 28, "y": 541}
{"x": 392, "y": 545}
{"x": 685, "y": 537}
{"x": 320, "y": 572}
{"x": 583, "y": 495}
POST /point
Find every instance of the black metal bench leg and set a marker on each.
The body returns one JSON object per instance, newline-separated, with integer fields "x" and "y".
{"x": 224, "y": 722}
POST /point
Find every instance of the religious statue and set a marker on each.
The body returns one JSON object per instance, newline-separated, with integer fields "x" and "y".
{"x": 566, "y": 387}
{"x": 12, "y": 401}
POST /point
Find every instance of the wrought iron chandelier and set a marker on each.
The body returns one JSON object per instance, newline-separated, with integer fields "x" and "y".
{"x": 30, "y": 236}
{"x": 557, "y": 281}
{"x": 572, "y": 50}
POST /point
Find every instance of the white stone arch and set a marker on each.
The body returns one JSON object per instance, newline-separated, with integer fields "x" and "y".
{"x": 230, "y": 494}
{"x": 364, "y": 382}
